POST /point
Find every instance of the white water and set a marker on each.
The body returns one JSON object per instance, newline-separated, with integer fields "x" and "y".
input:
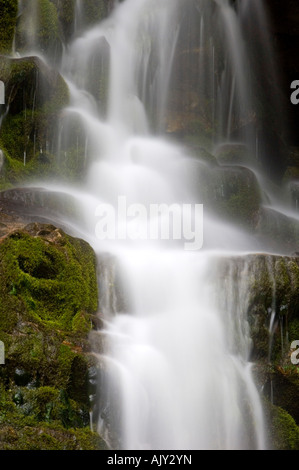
{"x": 175, "y": 369}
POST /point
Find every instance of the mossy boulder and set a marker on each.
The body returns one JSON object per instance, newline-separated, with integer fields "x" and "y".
{"x": 237, "y": 195}
{"x": 35, "y": 95}
{"x": 53, "y": 276}
{"x": 43, "y": 419}
{"x": 232, "y": 154}
{"x": 285, "y": 388}
{"x": 282, "y": 430}
{"x": 201, "y": 153}
{"x": 230, "y": 192}
{"x": 49, "y": 298}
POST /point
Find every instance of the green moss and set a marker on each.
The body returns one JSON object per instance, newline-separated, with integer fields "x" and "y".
{"x": 59, "y": 97}
{"x": 43, "y": 419}
{"x": 282, "y": 285}
{"x": 199, "y": 152}
{"x": 54, "y": 282}
{"x": 284, "y": 433}
{"x": 232, "y": 154}
{"x": 36, "y": 96}
{"x": 9, "y": 9}
{"x": 273, "y": 288}
{"x": 241, "y": 207}
{"x": 13, "y": 72}
{"x": 48, "y": 290}
{"x": 293, "y": 329}
{"x": 15, "y": 138}
{"x": 198, "y": 133}
{"x": 66, "y": 16}
{"x": 95, "y": 10}
{"x": 237, "y": 195}
{"x": 48, "y": 19}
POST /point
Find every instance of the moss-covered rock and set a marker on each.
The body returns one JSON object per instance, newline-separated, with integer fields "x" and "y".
{"x": 285, "y": 388}
{"x": 51, "y": 274}
{"x": 238, "y": 196}
{"x": 49, "y": 296}
{"x": 266, "y": 289}
{"x": 273, "y": 306}
{"x": 201, "y": 153}
{"x": 31, "y": 130}
{"x": 36, "y": 94}
{"x": 282, "y": 431}
{"x": 45, "y": 437}
{"x": 232, "y": 154}
{"x": 43, "y": 419}
{"x": 233, "y": 193}
{"x": 66, "y": 17}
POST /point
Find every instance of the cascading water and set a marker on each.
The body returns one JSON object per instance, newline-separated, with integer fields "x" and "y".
{"x": 175, "y": 365}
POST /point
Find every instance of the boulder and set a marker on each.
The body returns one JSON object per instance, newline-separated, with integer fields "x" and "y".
{"x": 49, "y": 298}
{"x": 35, "y": 96}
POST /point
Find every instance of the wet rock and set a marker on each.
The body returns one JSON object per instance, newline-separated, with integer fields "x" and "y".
{"x": 279, "y": 231}
{"x": 37, "y": 203}
{"x": 48, "y": 296}
{"x": 234, "y": 194}
{"x": 232, "y": 154}
{"x": 270, "y": 301}
{"x": 35, "y": 95}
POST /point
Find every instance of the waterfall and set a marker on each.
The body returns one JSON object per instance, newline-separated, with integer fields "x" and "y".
{"x": 175, "y": 370}
{"x": 178, "y": 369}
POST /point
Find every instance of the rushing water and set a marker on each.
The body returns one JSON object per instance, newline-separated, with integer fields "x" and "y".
{"x": 175, "y": 345}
